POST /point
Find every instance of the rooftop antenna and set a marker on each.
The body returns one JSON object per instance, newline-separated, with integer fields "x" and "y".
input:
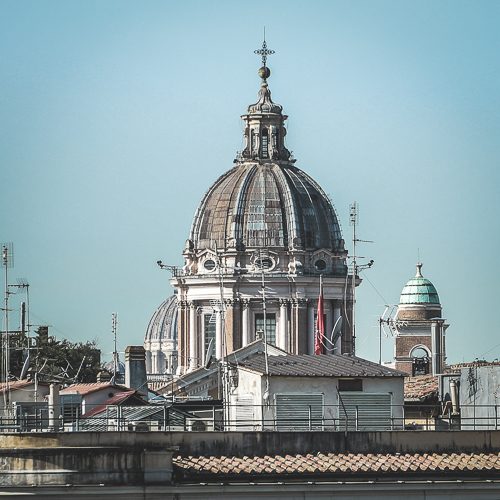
{"x": 114, "y": 325}
{"x": 353, "y": 221}
{"x": 7, "y": 263}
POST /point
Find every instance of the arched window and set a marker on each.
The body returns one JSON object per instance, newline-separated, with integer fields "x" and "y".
{"x": 419, "y": 352}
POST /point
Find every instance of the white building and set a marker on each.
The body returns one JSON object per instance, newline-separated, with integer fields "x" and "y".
{"x": 322, "y": 392}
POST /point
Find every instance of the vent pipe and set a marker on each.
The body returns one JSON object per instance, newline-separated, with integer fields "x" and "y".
{"x": 437, "y": 339}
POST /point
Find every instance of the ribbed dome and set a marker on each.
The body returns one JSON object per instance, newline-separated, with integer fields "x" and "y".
{"x": 419, "y": 290}
{"x": 163, "y": 324}
{"x": 266, "y": 205}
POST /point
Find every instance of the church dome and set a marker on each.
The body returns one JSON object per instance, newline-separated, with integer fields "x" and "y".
{"x": 163, "y": 324}
{"x": 270, "y": 204}
{"x": 265, "y": 201}
{"x": 419, "y": 290}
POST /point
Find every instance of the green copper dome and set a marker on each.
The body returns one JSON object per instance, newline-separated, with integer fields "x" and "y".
{"x": 419, "y": 290}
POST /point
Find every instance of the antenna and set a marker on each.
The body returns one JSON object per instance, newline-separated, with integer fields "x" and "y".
{"x": 114, "y": 324}
{"x": 7, "y": 263}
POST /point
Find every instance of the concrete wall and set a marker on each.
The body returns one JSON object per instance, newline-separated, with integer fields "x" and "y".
{"x": 265, "y": 443}
{"x": 480, "y": 386}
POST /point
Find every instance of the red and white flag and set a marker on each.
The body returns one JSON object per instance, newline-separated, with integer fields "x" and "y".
{"x": 320, "y": 322}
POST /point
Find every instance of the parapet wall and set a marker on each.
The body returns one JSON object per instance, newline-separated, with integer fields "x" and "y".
{"x": 262, "y": 443}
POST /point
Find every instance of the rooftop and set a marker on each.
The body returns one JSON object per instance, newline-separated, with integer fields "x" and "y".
{"x": 324, "y": 365}
{"x": 336, "y": 465}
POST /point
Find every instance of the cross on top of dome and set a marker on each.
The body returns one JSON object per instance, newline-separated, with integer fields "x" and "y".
{"x": 264, "y": 71}
{"x": 264, "y": 51}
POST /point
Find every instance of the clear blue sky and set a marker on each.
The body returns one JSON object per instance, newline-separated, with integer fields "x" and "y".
{"x": 116, "y": 116}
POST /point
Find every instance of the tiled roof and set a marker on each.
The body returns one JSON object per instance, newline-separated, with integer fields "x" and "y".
{"x": 336, "y": 465}
{"x": 325, "y": 365}
{"x": 118, "y": 398}
{"x": 16, "y": 384}
{"x": 84, "y": 389}
{"x": 421, "y": 387}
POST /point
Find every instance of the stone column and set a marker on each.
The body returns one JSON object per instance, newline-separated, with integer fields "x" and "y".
{"x": 245, "y": 334}
{"x": 193, "y": 337}
{"x": 181, "y": 336}
{"x": 218, "y": 335}
{"x": 298, "y": 334}
{"x": 310, "y": 328}
{"x": 282, "y": 342}
{"x": 149, "y": 366}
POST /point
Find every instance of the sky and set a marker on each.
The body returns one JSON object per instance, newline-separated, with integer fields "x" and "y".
{"x": 117, "y": 116}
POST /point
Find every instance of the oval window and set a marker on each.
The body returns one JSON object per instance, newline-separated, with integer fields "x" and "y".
{"x": 320, "y": 265}
{"x": 209, "y": 265}
{"x": 264, "y": 263}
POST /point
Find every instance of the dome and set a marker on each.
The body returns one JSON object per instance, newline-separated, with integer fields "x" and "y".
{"x": 163, "y": 324}
{"x": 266, "y": 205}
{"x": 419, "y": 290}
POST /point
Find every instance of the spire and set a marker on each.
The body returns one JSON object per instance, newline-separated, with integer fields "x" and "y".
{"x": 264, "y": 124}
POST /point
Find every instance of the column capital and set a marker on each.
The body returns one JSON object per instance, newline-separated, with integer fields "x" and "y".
{"x": 245, "y": 303}
{"x": 284, "y": 302}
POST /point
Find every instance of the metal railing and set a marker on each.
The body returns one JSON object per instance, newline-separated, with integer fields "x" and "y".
{"x": 170, "y": 417}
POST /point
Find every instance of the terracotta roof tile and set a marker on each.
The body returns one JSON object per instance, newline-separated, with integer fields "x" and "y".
{"x": 340, "y": 464}
{"x": 421, "y": 387}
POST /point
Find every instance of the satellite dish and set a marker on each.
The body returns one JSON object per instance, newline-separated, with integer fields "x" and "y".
{"x": 337, "y": 331}
{"x": 208, "y": 357}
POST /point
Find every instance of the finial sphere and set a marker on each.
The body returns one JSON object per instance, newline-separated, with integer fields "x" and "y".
{"x": 264, "y": 72}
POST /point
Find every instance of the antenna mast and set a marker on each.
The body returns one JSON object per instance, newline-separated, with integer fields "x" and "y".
{"x": 353, "y": 220}
{"x": 114, "y": 324}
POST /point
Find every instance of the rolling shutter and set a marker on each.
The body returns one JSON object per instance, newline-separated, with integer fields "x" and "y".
{"x": 299, "y": 412}
{"x": 374, "y": 411}
{"x": 245, "y": 414}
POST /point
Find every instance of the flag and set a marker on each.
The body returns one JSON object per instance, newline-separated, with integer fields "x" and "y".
{"x": 320, "y": 323}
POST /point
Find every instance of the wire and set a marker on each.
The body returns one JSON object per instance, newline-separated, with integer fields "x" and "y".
{"x": 374, "y": 287}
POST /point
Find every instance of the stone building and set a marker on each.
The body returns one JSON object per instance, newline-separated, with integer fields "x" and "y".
{"x": 261, "y": 237}
{"x": 418, "y": 316}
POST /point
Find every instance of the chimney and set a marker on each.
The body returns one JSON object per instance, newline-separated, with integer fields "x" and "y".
{"x": 54, "y": 408}
{"x": 437, "y": 339}
{"x": 135, "y": 369}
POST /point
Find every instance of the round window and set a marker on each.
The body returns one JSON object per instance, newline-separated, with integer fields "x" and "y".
{"x": 209, "y": 265}
{"x": 264, "y": 263}
{"x": 320, "y": 265}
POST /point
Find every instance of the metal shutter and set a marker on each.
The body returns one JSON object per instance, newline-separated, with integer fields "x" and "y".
{"x": 245, "y": 415}
{"x": 374, "y": 411}
{"x": 299, "y": 411}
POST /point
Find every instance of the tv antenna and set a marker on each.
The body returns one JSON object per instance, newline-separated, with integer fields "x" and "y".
{"x": 114, "y": 325}
{"x": 7, "y": 263}
{"x": 353, "y": 221}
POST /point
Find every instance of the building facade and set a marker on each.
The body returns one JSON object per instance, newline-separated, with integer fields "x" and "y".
{"x": 420, "y": 329}
{"x": 261, "y": 237}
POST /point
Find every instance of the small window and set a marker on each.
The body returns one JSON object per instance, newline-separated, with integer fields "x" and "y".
{"x": 320, "y": 265}
{"x": 209, "y": 265}
{"x": 350, "y": 385}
